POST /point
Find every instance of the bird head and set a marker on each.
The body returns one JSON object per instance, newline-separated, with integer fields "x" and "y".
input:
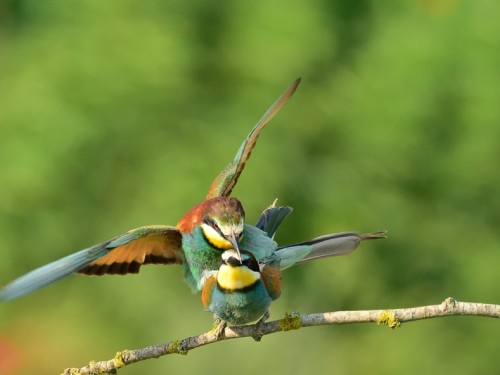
{"x": 223, "y": 223}
{"x": 238, "y": 270}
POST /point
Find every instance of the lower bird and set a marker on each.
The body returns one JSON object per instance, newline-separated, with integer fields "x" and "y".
{"x": 242, "y": 289}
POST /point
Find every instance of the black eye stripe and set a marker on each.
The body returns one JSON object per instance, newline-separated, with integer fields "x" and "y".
{"x": 252, "y": 264}
{"x": 212, "y": 223}
{"x": 248, "y": 260}
{"x": 233, "y": 262}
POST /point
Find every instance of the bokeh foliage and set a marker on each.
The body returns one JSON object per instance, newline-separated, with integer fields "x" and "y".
{"x": 119, "y": 114}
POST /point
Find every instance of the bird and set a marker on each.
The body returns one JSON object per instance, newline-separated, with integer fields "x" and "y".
{"x": 242, "y": 289}
{"x": 238, "y": 292}
{"x": 197, "y": 242}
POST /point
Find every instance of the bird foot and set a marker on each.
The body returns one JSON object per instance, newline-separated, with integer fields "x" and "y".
{"x": 259, "y": 327}
{"x": 219, "y": 328}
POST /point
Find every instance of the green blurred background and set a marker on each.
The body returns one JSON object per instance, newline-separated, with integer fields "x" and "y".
{"x": 116, "y": 114}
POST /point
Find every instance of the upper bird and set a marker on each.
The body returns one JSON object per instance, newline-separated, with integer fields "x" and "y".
{"x": 197, "y": 242}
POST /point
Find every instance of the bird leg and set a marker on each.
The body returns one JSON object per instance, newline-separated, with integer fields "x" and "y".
{"x": 219, "y": 327}
{"x": 259, "y": 327}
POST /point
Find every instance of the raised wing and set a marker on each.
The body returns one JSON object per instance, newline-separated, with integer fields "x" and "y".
{"x": 272, "y": 217}
{"x": 120, "y": 255}
{"x": 226, "y": 180}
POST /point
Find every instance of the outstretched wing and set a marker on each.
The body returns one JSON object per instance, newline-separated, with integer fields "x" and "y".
{"x": 226, "y": 180}
{"x": 122, "y": 254}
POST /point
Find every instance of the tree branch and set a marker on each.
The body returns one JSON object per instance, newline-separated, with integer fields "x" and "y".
{"x": 392, "y": 318}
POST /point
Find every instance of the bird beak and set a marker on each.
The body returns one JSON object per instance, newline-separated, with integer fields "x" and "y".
{"x": 234, "y": 241}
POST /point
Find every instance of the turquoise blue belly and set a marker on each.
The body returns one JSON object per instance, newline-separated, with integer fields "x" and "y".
{"x": 240, "y": 307}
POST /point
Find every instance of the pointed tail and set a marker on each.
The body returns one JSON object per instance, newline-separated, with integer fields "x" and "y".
{"x": 325, "y": 246}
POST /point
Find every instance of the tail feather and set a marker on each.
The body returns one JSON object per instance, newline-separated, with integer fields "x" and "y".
{"x": 374, "y": 235}
{"x": 336, "y": 244}
{"x": 291, "y": 255}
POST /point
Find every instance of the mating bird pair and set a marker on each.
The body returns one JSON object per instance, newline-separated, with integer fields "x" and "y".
{"x": 236, "y": 266}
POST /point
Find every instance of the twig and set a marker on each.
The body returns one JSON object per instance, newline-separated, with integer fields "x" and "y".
{"x": 392, "y": 318}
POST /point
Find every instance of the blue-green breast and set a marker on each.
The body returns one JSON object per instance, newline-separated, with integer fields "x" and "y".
{"x": 240, "y": 306}
{"x": 199, "y": 256}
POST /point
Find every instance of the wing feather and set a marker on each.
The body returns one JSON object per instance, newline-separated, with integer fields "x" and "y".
{"x": 208, "y": 289}
{"x": 271, "y": 276}
{"x": 120, "y": 255}
{"x": 145, "y": 245}
{"x": 227, "y": 179}
{"x": 272, "y": 217}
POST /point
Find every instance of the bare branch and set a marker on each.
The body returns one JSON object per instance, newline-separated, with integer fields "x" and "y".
{"x": 392, "y": 318}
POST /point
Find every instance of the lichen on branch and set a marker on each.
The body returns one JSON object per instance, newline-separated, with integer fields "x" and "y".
{"x": 392, "y": 318}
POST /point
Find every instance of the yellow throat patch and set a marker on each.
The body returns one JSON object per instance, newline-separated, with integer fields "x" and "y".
{"x": 215, "y": 239}
{"x": 236, "y": 278}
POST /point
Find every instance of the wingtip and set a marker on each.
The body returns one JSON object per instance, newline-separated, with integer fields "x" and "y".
{"x": 6, "y": 297}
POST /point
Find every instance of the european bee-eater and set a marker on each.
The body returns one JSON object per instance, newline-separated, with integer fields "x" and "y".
{"x": 242, "y": 289}
{"x": 237, "y": 293}
{"x": 197, "y": 242}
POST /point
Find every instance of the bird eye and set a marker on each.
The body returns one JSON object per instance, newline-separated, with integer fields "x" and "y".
{"x": 251, "y": 263}
{"x": 212, "y": 223}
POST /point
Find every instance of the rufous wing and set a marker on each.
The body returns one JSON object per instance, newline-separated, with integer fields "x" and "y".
{"x": 208, "y": 289}
{"x": 120, "y": 255}
{"x": 271, "y": 276}
{"x": 158, "y": 244}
